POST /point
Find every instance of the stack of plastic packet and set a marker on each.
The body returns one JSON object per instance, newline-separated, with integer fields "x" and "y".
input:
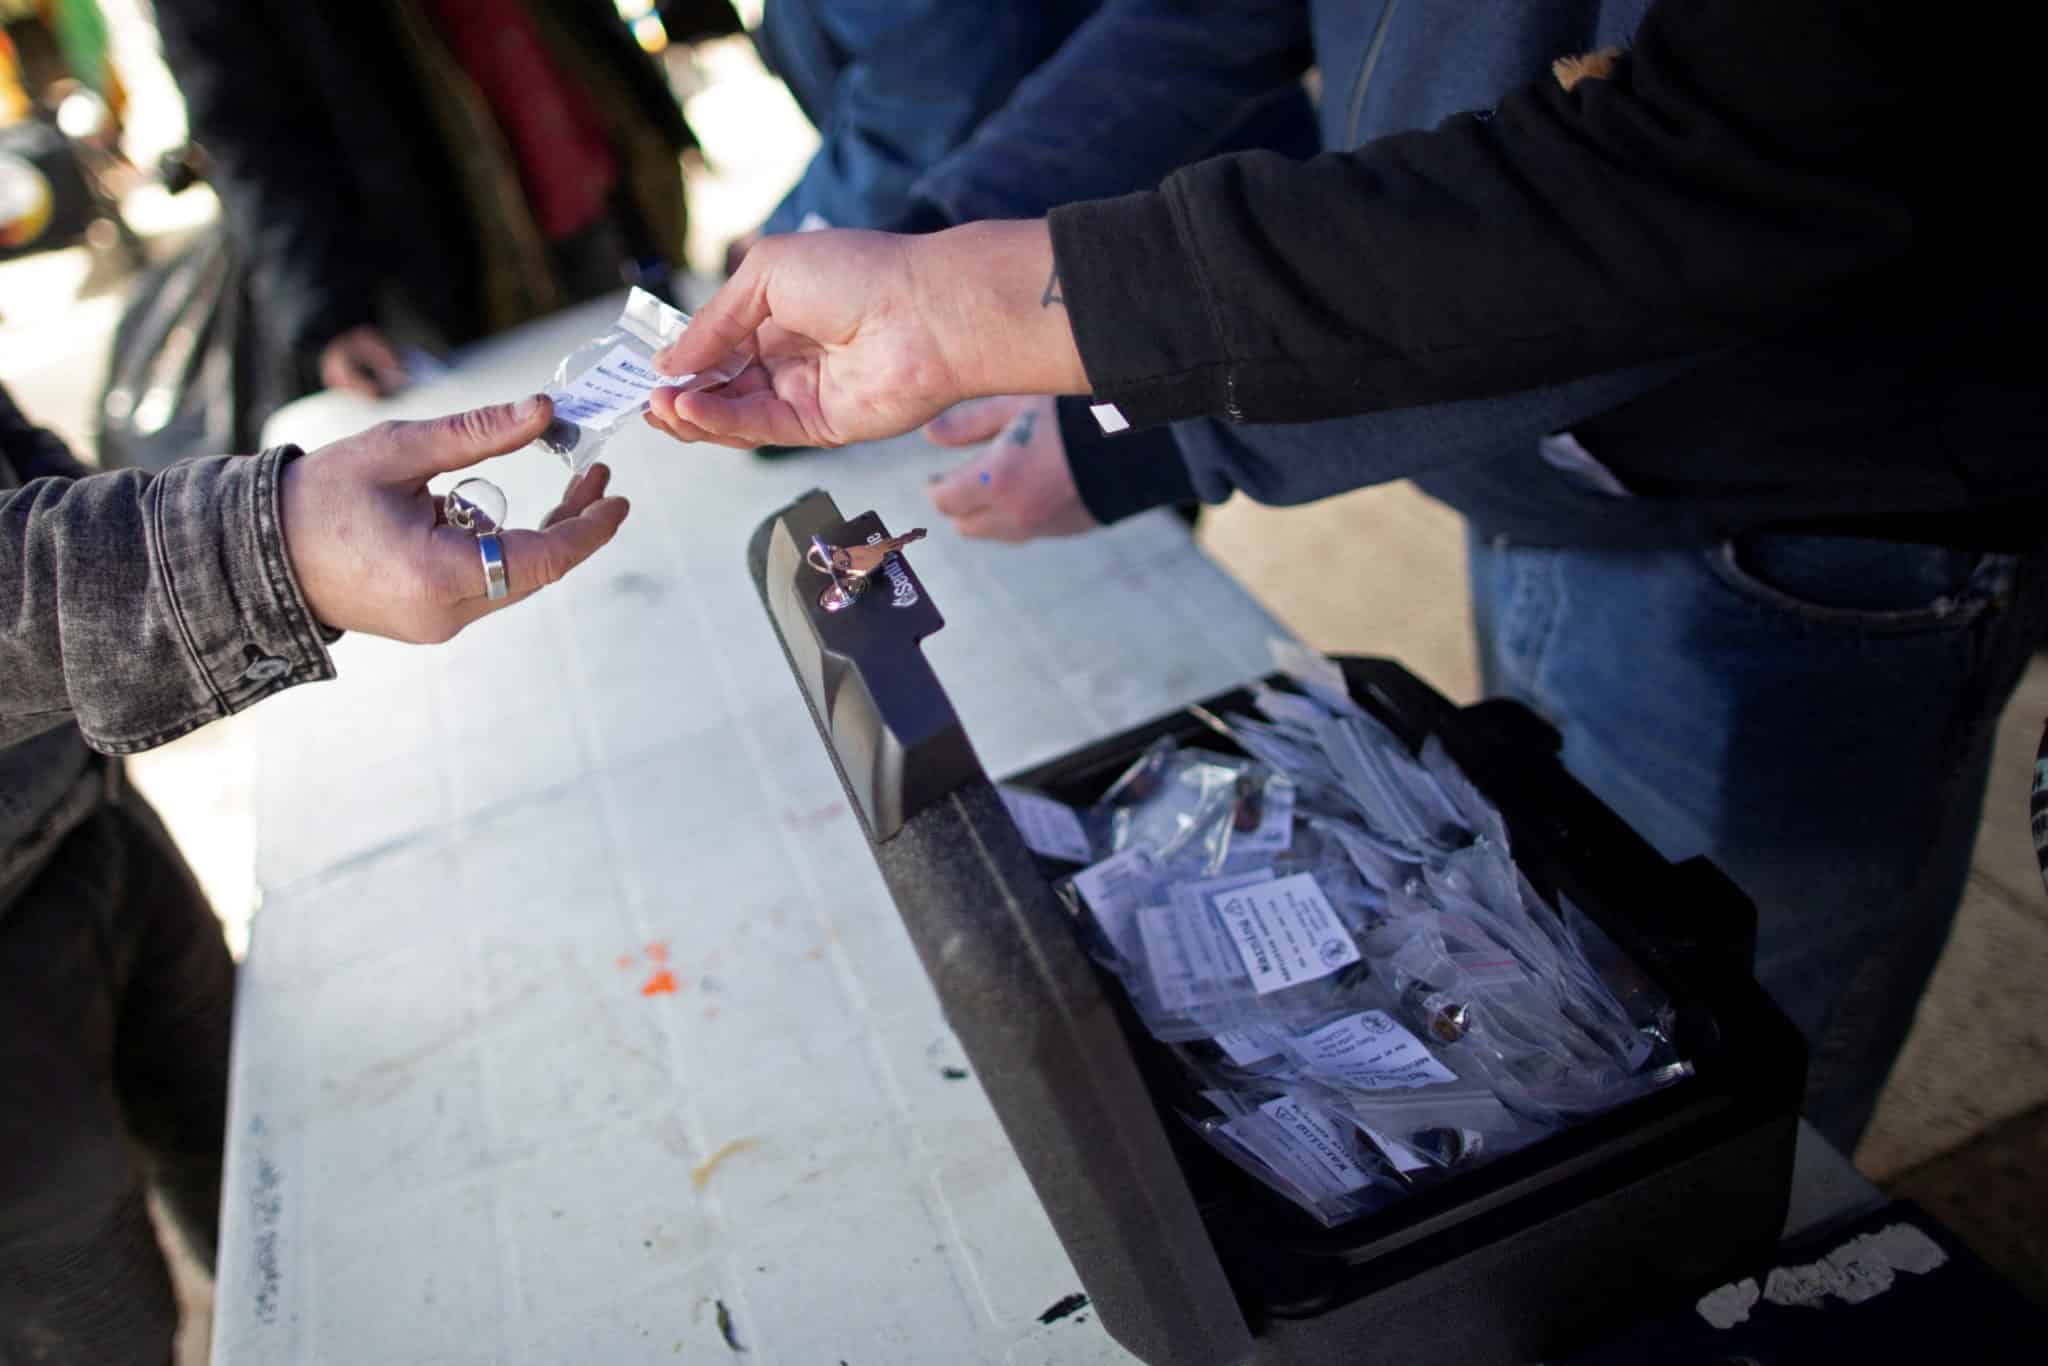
{"x": 1331, "y": 935}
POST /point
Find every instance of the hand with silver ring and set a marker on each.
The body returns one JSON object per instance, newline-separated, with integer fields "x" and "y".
{"x": 372, "y": 550}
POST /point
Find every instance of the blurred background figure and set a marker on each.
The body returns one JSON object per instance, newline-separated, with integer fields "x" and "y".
{"x": 62, "y": 108}
{"x": 63, "y": 40}
{"x": 402, "y": 178}
{"x": 896, "y": 89}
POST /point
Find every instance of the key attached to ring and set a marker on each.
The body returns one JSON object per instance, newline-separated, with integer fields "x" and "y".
{"x": 849, "y": 566}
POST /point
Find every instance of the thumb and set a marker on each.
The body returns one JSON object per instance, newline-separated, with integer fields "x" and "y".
{"x": 978, "y": 419}
{"x": 719, "y": 328}
{"x": 417, "y": 451}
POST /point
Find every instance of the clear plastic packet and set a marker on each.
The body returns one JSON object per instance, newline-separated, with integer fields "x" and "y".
{"x": 1480, "y": 816}
{"x": 1051, "y": 829}
{"x": 1181, "y": 974}
{"x": 1362, "y": 905}
{"x": 1645, "y": 1004}
{"x": 1292, "y": 713}
{"x": 1394, "y": 795}
{"x": 1295, "y": 1146}
{"x": 1159, "y": 802}
{"x": 1380, "y": 863}
{"x": 608, "y": 379}
{"x": 1488, "y": 902}
{"x": 1196, "y": 811}
{"x": 1105, "y": 898}
{"x": 1365, "y": 1053}
{"x": 1512, "y": 1032}
{"x": 1316, "y": 675}
{"x": 1429, "y": 1133}
{"x": 1251, "y": 950}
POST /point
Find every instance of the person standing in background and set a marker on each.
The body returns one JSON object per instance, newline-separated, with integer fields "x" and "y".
{"x": 897, "y": 92}
{"x": 426, "y": 172}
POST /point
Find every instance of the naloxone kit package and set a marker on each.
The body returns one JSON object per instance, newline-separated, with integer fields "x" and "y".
{"x": 608, "y": 379}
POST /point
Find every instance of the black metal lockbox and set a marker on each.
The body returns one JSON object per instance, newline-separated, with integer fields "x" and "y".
{"x": 1187, "y": 1259}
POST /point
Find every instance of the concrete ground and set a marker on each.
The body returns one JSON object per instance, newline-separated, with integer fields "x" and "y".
{"x": 1963, "y": 1126}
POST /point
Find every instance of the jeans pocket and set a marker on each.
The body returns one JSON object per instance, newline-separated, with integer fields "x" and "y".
{"x": 1865, "y": 586}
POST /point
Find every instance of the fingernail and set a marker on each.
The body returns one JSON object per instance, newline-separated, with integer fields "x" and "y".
{"x": 528, "y": 408}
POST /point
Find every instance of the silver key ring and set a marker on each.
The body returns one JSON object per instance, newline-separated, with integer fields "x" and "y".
{"x": 478, "y": 506}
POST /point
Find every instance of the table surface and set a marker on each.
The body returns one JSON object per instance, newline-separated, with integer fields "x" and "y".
{"x": 577, "y": 1024}
{"x": 554, "y": 915}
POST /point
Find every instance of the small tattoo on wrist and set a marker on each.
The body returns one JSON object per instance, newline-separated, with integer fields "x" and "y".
{"x": 1052, "y": 293}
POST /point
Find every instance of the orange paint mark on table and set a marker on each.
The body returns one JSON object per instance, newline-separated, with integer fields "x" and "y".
{"x": 625, "y": 961}
{"x": 662, "y": 983}
{"x": 658, "y": 951}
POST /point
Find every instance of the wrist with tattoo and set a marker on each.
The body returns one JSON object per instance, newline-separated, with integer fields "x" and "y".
{"x": 991, "y": 293}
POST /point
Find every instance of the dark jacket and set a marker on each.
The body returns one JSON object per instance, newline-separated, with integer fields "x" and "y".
{"x": 898, "y": 91}
{"x": 329, "y": 155}
{"x": 133, "y": 609}
{"x": 1758, "y": 185}
{"x": 892, "y": 86}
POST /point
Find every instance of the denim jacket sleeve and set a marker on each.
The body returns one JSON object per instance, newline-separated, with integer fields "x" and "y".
{"x": 892, "y": 86}
{"x": 1140, "y": 89}
{"x": 142, "y": 607}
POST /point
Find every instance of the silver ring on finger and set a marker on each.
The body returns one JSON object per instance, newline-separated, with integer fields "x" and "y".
{"x": 492, "y": 551}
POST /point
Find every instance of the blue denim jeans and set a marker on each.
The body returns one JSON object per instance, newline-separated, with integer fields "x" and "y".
{"x": 1815, "y": 714}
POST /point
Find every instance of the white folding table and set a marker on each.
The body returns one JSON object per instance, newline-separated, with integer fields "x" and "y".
{"x": 577, "y": 1025}
{"x": 555, "y": 914}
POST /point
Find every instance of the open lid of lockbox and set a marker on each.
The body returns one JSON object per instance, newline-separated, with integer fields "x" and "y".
{"x": 1185, "y": 1257}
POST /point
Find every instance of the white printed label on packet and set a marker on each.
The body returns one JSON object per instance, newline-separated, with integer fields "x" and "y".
{"x": 1310, "y": 1135}
{"x": 1286, "y": 931}
{"x": 1371, "y": 1051}
{"x": 1275, "y": 834}
{"x": 1051, "y": 828}
{"x": 1404, "y": 1158}
{"x": 1185, "y": 955}
{"x": 1184, "y": 947}
{"x": 615, "y": 387}
{"x": 1113, "y": 890}
{"x": 1246, "y": 1047}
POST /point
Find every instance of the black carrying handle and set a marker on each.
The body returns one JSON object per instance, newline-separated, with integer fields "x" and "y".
{"x": 891, "y": 731}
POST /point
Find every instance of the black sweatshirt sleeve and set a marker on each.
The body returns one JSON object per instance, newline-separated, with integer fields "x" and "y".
{"x": 1746, "y": 163}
